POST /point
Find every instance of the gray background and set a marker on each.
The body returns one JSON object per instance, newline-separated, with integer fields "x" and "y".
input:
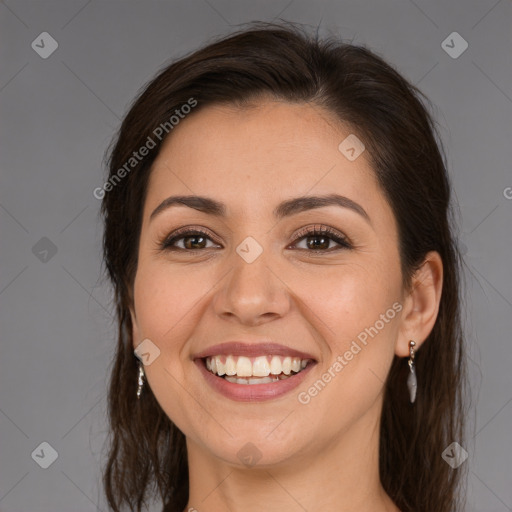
{"x": 58, "y": 116}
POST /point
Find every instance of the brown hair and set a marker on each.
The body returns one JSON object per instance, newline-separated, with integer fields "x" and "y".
{"x": 147, "y": 452}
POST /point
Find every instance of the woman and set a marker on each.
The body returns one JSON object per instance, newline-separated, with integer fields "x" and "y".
{"x": 286, "y": 282}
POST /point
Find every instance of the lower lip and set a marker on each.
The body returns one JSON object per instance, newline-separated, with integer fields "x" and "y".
{"x": 252, "y": 392}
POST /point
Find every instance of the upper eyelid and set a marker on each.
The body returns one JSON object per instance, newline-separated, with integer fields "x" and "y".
{"x": 297, "y": 235}
{"x": 319, "y": 228}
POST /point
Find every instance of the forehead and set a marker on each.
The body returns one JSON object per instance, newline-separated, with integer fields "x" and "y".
{"x": 249, "y": 156}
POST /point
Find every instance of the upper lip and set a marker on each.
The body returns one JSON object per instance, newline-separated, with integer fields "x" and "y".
{"x": 240, "y": 348}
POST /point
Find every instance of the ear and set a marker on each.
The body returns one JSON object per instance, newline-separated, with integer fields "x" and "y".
{"x": 421, "y": 304}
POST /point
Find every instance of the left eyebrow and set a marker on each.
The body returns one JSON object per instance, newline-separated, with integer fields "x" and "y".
{"x": 284, "y": 209}
{"x": 300, "y": 204}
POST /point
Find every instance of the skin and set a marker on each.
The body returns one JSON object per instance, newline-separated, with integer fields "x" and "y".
{"x": 322, "y": 455}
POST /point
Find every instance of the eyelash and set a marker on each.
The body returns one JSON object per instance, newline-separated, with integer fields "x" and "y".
{"x": 316, "y": 231}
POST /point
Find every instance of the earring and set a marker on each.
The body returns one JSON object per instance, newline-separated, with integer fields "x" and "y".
{"x": 412, "y": 382}
{"x": 140, "y": 380}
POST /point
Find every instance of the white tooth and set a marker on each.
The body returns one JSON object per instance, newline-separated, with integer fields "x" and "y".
{"x": 296, "y": 364}
{"x": 230, "y": 366}
{"x": 275, "y": 365}
{"x": 263, "y": 380}
{"x": 208, "y": 363}
{"x": 244, "y": 367}
{"x": 304, "y": 363}
{"x": 287, "y": 365}
{"x": 240, "y": 380}
{"x": 213, "y": 364}
{"x": 221, "y": 369}
{"x": 260, "y": 367}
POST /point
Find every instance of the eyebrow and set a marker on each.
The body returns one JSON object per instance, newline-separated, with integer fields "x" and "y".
{"x": 287, "y": 208}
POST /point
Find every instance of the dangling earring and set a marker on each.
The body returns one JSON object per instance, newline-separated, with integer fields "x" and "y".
{"x": 140, "y": 381}
{"x": 412, "y": 382}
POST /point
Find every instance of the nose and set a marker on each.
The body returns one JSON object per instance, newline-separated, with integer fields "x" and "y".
{"x": 252, "y": 293}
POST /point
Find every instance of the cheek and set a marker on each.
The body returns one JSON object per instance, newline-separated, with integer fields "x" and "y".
{"x": 166, "y": 302}
{"x": 359, "y": 320}
{"x": 163, "y": 296}
{"x": 360, "y": 308}
{"x": 351, "y": 298}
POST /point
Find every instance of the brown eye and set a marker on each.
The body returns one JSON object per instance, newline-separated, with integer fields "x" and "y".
{"x": 319, "y": 240}
{"x": 192, "y": 240}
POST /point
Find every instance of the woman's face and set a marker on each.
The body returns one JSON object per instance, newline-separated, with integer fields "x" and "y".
{"x": 256, "y": 276}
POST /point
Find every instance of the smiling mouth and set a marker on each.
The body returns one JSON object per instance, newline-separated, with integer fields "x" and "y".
{"x": 255, "y": 370}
